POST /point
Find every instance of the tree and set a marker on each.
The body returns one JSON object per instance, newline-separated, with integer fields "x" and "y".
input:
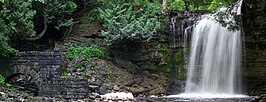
{"x": 199, "y": 4}
{"x": 164, "y": 4}
{"x": 24, "y": 19}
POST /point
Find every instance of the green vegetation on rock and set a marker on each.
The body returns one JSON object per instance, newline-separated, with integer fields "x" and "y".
{"x": 136, "y": 20}
{"x": 3, "y": 83}
{"x": 64, "y": 74}
{"x": 87, "y": 52}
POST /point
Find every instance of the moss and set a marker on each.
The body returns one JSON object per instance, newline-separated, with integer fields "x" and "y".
{"x": 159, "y": 66}
{"x": 163, "y": 66}
{"x": 65, "y": 74}
{"x": 85, "y": 74}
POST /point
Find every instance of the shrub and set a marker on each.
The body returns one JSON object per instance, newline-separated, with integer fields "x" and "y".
{"x": 64, "y": 74}
{"x": 88, "y": 52}
{"x": 2, "y": 82}
{"x": 5, "y": 49}
{"x": 129, "y": 20}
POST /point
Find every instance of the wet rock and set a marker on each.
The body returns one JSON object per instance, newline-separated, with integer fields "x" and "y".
{"x": 91, "y": 80}
{"x": 116, "y": 88}
{"x": 2, "y": 94}
{"x": 94, "y": 95}
{"x": 103, "y": 89}
{"x": 81, "y": 69}
{"x": 101, "y": 70}
{"x": 13, "y": 95}
{"x": 129, "y": 82}
{"x": 174, "y": 87}
{"x": 87, "y": 65}
{"x": 126, "y": 64}
{"x": 93, "y": 87}
{"x": 80, "y": 101}
{"x": 157, "y": 91}
{"x": 22, "y": 100}
{"x": 137, "y": 90}
{"x": 78, "y": 59}
{"x": 110, "y": 86}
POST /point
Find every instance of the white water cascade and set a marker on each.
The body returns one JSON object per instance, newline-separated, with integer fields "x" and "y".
{"x": 216, "y": 53}
{"x": 215, "y": 59}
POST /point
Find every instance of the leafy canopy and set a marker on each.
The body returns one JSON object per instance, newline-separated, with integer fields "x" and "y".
{"x": 182, "y": 5}
{"x": 21, "y": 18}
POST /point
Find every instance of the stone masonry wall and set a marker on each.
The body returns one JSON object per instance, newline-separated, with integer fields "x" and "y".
{"x": 44, "y": 67}
{"x": 68, "y": 88}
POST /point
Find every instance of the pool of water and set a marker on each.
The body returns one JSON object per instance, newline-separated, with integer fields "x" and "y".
{"x": 206, "y": 95}
{"x": 200, "y": 98}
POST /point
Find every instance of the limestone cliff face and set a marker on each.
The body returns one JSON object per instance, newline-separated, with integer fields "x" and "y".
{"x": 254, "y": 24}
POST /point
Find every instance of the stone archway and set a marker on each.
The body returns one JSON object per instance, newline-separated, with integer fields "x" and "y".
{"x": 24, "y": 78}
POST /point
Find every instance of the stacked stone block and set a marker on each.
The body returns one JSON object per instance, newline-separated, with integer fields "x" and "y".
{"x": 46, "y": 67}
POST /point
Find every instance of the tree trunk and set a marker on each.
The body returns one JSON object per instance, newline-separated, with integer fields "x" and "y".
{"x": 164, "y": 4}
{"x": 186, "y": 6}
{"x": 41, "y": 34}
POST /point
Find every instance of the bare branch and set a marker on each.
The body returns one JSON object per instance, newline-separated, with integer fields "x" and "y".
{"x": 42, "y": 33}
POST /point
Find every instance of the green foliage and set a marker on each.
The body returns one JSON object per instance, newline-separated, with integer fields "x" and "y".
{"x": 215, "y": 4}
{"x": 2, "y": 80}
{"x": 178, "y": 5}
{"x": 231, "y": 22}
{"x": 59, "y": 12}
{"x": 161, "y": 67}
{"x": 16, "y": 21}
{"x": 166, "y": 63}
{"x": 164, "y": 50}
{"x": 20, "y": 17}
{"x": 78, "y": 65}
{"x": 65, "y": 74}
{"x": 108, "y": 68}
{"x": 129, "y": 20}
{"x": 199, "y": 4}
{"x": 229, "y": 18}
{"x": 5, "y": 49}
{"x": 3, "y": 83}
{"x": 85, "y": 74}
{"x": 88, "y": 52}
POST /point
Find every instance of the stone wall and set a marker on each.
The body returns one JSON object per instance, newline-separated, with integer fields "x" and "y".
{"x": 68, "y": 88}
{"x": 254, "y": 23}
{"x": 45, "y": 68}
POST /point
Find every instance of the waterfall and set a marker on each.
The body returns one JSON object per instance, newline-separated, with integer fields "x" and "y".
{"x": 215, "y": 57}
{"x": 216, "y": 52}
{"x": 214, "y": 63}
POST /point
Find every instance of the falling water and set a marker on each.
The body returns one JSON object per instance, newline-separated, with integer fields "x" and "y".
{"x": 215, "y": 59}
{"x": 216, "y": 51}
